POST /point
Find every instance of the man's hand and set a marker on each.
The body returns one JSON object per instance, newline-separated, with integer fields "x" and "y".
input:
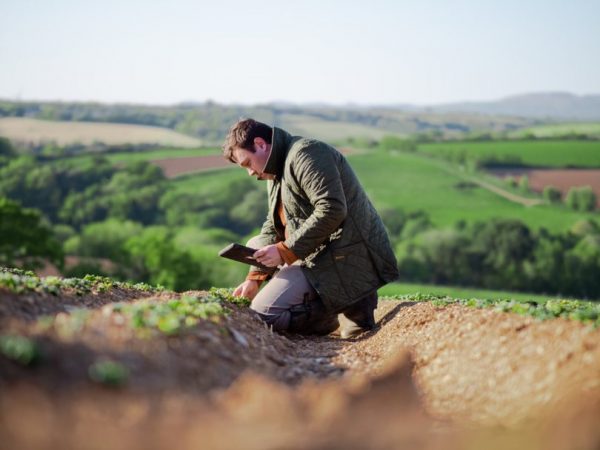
{"x": 248, "y": 288}
{"x": 268, "y": 256}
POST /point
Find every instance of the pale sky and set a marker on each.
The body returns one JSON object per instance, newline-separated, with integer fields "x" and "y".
{"x": 368, "y": 52}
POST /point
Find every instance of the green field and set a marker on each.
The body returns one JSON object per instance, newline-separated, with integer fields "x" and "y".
{"x": 560, "y": 129}
{"x": 413, "y": 182}
{"x": 149, "y": 155}
{"x": 530, "y": 153}
{"x": 394, "y": 289}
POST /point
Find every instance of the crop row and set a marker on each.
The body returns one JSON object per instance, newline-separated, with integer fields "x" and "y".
{"x": 20, "y": 281}
{"x": 582, "y": 311}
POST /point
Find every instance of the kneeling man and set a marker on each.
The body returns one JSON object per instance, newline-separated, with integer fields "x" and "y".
{"x": 322, "y": 233}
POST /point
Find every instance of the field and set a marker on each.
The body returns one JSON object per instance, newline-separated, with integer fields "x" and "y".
{"x": 560, "y": 129}
{"x": 397, "y": 289}
{"x": 529, "y": 153}
{"x": 330, "y": 131}
{"x": 563, "y": 180}
{"x": 64, "y": 133}
{"x": 148, "y": 155}
{"x": 412, "y": 182}
{"x": 90, "y": 363}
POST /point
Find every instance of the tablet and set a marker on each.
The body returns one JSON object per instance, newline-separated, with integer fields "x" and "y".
{"x": 243, "y": 254}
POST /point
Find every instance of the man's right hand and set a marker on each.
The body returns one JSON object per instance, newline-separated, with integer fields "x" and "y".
{"x": 248, "y": 288}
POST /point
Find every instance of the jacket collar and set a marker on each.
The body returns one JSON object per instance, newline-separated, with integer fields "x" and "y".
{"x": 281, "y": 142}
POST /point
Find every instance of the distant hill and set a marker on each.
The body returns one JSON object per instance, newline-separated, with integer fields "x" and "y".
{"x": 543, "y": 105}
{"x": 210, "y": 121}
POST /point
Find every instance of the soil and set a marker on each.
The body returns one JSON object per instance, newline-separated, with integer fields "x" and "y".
{"x": 562, "y": 179}
{"x": 427, "y": 377}
{"x": 173, "y": 167}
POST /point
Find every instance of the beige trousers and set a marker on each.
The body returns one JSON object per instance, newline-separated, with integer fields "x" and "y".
{"x": 288, "y": 288}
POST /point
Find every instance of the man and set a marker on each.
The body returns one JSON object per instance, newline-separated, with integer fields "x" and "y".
{"x": 321, "y": 231}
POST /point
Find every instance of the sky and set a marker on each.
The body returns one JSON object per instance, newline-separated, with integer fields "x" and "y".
{"x": 338, "y": 52}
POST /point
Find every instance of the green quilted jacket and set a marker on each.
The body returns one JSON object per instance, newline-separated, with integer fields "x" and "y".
{"x": 332, "y": 226}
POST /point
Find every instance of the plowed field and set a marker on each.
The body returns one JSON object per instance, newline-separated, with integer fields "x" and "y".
{"x": 427, "y": 377}
{"x": 563, "y": 179}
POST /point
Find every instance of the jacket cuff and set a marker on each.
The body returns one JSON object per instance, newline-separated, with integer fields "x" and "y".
{"x": 288, "y": 256}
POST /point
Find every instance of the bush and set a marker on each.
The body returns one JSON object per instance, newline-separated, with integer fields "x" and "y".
{"x": 524, "y": 184}
{"x": 552, "y": 194}
{"x": 395, "y": 143}
{"x": 581, "y": 199}
{"x": 511, "y": 182}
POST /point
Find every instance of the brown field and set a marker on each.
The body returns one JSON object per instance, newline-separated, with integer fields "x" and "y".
{"x": 562, "y": 179}
{"x": 427, "y": 378}
{"x": 62, "y": 133}
{"x": 173, "y": 167}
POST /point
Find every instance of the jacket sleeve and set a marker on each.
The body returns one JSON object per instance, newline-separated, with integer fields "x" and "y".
{"x": 318, "y": 176}
{"x": 267, "y": 236}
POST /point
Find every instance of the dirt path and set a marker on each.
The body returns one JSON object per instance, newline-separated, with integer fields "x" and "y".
{"x": 415, "y": 382}
{"x": 507, "y": 195}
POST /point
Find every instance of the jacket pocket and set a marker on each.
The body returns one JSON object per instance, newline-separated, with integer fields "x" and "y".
{"x": 355, "y": 269}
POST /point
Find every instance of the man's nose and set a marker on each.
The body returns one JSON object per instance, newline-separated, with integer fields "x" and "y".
{"x": 251, "y": 171}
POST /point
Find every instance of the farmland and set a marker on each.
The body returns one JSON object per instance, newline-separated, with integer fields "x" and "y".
{"x": 412, "y": 182}
{"x": 559, "y": 130}
{"x": 411, "y": 289}
{"x": 526, "y": 153}
{"x": 94, "y": 361}
{"x": 63, "y": 133}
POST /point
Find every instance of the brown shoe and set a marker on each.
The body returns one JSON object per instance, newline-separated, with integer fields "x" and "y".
{"x": 360, "y": 316}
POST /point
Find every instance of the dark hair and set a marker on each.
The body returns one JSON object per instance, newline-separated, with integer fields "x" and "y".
{"x": 242, "y": 134}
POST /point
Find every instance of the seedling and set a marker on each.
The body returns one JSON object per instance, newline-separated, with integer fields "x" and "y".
{"x": 19, "y": 349}
{"x": 109, "y": 373}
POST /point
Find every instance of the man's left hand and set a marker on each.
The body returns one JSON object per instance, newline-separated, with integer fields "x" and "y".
{"x": 268, "y": 256}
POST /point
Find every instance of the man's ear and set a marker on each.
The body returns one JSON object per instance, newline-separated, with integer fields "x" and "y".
{"x": 260, "y": 142}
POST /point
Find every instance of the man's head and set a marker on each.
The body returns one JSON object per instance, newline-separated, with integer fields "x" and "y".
{"x": 248, "y": 144}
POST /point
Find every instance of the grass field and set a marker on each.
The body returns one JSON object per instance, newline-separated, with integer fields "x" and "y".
{"x": 413, "y": 182}
{"x": 63, "y": 133}
{"x": 395, "y": 289}
{"x": 560, "y": 129}
{"x": 531, "y": 153}
{"x": 329, "y": 131}
{"x": 149, "y": 155}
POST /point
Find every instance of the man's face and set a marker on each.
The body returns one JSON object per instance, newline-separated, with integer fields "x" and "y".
{"x": 254, "y": 162}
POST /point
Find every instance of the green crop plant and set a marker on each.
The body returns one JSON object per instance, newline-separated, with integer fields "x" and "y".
{"x": 224, "y": 294}
{"x": 169, "y": 317}
{"x": 20, "y": 282}
{"x": 109, "y": 373}
{"x": 582, "y": 311}
{"x": 20, "y": 349}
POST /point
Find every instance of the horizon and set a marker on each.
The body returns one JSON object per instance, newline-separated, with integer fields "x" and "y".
{"x": 301, "y": 104}
{"x": 338, "y": 53}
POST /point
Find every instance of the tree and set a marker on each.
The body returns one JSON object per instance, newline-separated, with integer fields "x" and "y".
{"x": 25, "y": 240}
{"x": 524, "y": 184}
{"x": 155, "y": 259}
{"x": 551, "y": 194}
{"x": 6, "y": 151}
{"x": 581, "y": 198}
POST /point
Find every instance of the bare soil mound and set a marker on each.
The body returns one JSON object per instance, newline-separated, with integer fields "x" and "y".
{"x": 428, "y": 377}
